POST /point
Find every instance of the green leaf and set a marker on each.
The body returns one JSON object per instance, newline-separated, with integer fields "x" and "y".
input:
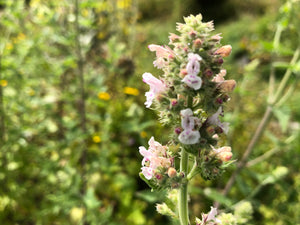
{"x": 283, "y": 115}
{"x": 90, "y": 200}
{"x": 150, "y": 196}
{"x": 217, "y": 196}
{"x": 150, "y": 183}
{"x": 276, "y": 175}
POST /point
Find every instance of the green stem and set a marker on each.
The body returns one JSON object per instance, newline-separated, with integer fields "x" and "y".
{"x": 82, "y": 105}
{"x": 2, "y": 115}
{"x": 285, "y": 78}
{"x": 193, "y": 171}
{"x": 183, "y": 191}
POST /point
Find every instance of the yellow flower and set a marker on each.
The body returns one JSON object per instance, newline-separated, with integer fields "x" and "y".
{"x": 21, "y": 36}
{"x": 104, "y": 96}
{"x": 85, "y": 13}
{"x": 131, "y": 91}
{"x": 122, "y": 4}
{"x": 101, "y": 35}
{"x": 31, "y": 92}
{"x": 96, "y": 139}
{"x": 3, "y": 83}
{"x": 76, "y": 214}
{"x": 9, "y": 46}
{"x": 143, "y": 134}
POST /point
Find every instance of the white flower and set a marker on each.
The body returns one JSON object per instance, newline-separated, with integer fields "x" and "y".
{"x": 193, "y": 66}
{"x": 189, "y": 137}
{"x": 193, "y": 81}
{"x": 214, "y": 120}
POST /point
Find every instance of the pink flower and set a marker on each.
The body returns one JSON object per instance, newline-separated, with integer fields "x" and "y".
{"x": 156, "y": 87}
{"x": 220, "y": 76}
{"x": 212, "y": 214}
{"x": 155, "y": 157}
{"x": 148, "y": 172}
{"x": 162, "y": 54}
{"x": 210, "y": 218}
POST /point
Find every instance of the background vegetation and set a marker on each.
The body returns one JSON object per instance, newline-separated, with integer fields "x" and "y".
{"x": 72, "y": 114}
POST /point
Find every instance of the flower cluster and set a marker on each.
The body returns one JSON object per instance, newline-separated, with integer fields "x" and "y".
{"x": 189, "y": 96}
{"x": 156, "y": 159}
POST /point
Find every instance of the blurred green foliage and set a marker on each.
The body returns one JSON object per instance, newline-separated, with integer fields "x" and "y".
{"x": 42, "y": 140}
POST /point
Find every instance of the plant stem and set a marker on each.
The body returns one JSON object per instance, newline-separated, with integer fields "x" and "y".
{"x": 81, "y": 107}
{"x": 263, "y": 123}
{"x": 183, "y": 191}
{"x": 285, "y": 78}
{"x": 261, "y": 127}
{"x": 193, "y": 171}
{"x": 2, "y": 119}
{"x": 271, "y": 152}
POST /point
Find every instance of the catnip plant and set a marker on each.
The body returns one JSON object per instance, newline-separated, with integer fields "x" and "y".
{"x": 189, "y": 97}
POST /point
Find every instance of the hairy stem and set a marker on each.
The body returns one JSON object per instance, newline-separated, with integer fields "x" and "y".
{"x": 183, "y": 191}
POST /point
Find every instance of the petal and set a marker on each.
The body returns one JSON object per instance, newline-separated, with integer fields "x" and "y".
{"x": 193, "y": 81}
{"x": 189, "y": 137}
{"x": 148, "y": 172}
{"x": 212, "y": 214}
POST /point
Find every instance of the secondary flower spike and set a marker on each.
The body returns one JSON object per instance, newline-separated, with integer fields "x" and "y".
{"x": 155, "y": 158}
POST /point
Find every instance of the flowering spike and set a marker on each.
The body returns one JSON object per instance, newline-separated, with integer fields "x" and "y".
{"x": 189, "y": 97}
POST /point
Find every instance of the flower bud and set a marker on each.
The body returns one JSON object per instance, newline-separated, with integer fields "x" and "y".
{"x": 164, "y": 210}
{"x": 172, "y": 172}
{"x": 216, "y": 38}
{"x": 208, "y": 73}
{"x": 220, "y": 61}
{"x": 215, "y": 170}
{"x": 158, "y": 176}
{"x": 173, "y": 37}
{"x": 210, "y": 130}
{"x": 224, "y": 153}
{"x": 192, "y": 33}
{"x": 219, "y": 101}
{"x": 227, "y": 86}
{"x": 174, "y": 102}
{"x": 197, "y": 43}
{"x": 183, "y": 73}
{"x": 224, "y": 51}
{"x": 225, "y": 156}
{"x": 178, "y": 130}
{"x": 219, "y": 130}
